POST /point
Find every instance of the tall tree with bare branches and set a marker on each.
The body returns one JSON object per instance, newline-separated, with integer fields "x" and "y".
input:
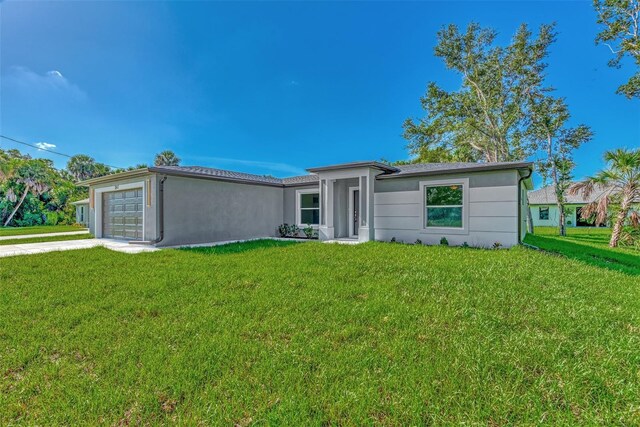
{"x": 556, "y": 142}
{"x": 621, "y": 33}
{"x": 487, "y": 117}
{"x": 620, "y": 182}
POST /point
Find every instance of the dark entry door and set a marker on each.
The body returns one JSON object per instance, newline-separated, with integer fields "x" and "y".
{"x": 583, "y": 222}
{"x": 356, "y": 211}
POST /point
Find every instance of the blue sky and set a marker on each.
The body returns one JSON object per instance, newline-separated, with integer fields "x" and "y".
{"x": 268, "y": 87}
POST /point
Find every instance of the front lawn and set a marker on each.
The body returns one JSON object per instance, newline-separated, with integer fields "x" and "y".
{"x": 589, "y": 245}
{"x": 317, "y": 334}
{"x": 45, "y": 239}
{"x": 38, "y": 229}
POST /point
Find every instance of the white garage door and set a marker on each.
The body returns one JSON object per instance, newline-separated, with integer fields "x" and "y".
{"x": 122, "y": 214}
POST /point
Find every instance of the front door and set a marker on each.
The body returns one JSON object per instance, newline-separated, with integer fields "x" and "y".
{"x": 355, "y": 202}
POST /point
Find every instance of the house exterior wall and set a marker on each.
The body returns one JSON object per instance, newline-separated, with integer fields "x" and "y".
{"x": 490, "y": 209}
{"x": 148, "y": 182}
{"x": 80, "y": 218}
{"x": 201, "y": 210}
{"x": 554, "y": 216}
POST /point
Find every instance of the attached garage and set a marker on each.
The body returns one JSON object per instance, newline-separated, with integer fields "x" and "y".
{"x": 122, "y": 214}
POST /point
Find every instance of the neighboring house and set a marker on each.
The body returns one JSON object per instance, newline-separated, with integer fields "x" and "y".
{"x": 82, "y": 212}
{"x": 544, "y": 210}
{"x": 475, "y": 203}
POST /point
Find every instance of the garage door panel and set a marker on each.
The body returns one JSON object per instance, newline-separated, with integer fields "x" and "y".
{"x": 122, "y": 214}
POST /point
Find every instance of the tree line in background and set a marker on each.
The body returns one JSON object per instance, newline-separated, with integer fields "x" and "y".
{"x": 34, "y": 192}
{"x": 505, "y": 111}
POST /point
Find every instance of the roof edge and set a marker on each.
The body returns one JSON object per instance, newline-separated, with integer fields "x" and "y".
{"x": 114, "y": 177}
{"x": 352, "y": 165}
{"x": 480, "y": 168}
{"x": 188, "y": 174}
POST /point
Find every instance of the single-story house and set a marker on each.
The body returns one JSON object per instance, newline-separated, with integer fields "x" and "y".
{"x": 545, "y": 213}
{"x": 82, "y": 212}
{"x": 479, "y": 204}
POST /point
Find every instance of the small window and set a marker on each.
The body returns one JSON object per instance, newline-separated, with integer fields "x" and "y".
{"x": 81, "y": 213}
{"x": 309, "y": 205}
{"x": 443, "y": 206}
{"x": 544, "y": 213}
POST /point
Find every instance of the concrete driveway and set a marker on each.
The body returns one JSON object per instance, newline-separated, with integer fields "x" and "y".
{"x": 38, "y": 248}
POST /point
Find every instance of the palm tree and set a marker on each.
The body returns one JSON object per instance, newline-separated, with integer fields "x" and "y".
{"x": 81, "y": 167}
{"x": 621, "y": 184}
{"x": 32, "y": 174}
{"x": 166, "y": 158}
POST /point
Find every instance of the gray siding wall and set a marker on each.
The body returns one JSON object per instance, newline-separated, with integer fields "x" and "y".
{"x": 491, "y": 202}
{"x": 289, "y": 202}
{"x": 150, "y": 212}
{"x": 200, "y": 211}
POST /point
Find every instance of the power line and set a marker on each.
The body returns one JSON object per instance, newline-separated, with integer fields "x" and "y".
{"x": 47, "y": 150}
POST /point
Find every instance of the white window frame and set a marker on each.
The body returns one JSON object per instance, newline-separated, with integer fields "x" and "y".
{"x": 540, "y": 213}
{"x": 299, "y": 208}
{"x": 464, "y": 182}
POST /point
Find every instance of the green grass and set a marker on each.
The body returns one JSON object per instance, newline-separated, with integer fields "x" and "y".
{"x": 588, "y": 245}
{"x": 317, "y": 334}
{"x": 38, "y": 229}
{"x": 234, "y": 248}
{"x": 45, "y": 239}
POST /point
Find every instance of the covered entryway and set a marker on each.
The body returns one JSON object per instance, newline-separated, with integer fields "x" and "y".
{"x": 122, "y": 214}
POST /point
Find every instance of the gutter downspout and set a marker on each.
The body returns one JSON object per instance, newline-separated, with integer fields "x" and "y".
{"x": 520, "y": 204}
{"x": 160, "y": 216}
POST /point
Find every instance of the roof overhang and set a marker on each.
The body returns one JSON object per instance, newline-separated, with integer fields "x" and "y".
{"x": 172, "y": 172}
{"x": 352, "y": 165}
{"x": 115, "y": 177}
{"x": 480, "y": 168}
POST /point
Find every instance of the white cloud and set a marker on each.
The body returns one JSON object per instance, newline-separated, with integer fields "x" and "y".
{"x": 44, "y": 145}
{"x": 272, "y": 166}
{"x": 294, "y": 83}
{"x": 51, "y": 84}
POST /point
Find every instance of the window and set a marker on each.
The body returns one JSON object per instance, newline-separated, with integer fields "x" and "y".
{"x": 443, "y": 206}
{"x": 81, "y": 213}
{"x": 308, "y": 208}
{"x": 543, "y": 213}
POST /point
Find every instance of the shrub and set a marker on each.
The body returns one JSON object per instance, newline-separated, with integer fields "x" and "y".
{"x": 444, "y": 241}
{"x": 293, "y": 231}
{"x": 465, "y": 245}
{"x": 497, "y": 245}
{"x": 393, "y": 240}
{"x": 418, "y": 242}
{"x": 283, "y": 230}
{"x": 309, "y": 232}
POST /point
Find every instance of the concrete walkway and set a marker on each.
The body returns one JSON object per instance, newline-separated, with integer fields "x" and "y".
{"x": 38, "y": 248}
{"x": 30, "y": 236}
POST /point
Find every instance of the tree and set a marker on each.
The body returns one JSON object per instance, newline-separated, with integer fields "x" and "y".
{"x": 81, "y": 167}
{"x": 621, "y": 33}
{"x": 166, "y": 158}
{"x": 620, "y": 182}
{"x": 33, "y": 176}
{"x": 485, "y": 119}
{"x": 548, "y": 133}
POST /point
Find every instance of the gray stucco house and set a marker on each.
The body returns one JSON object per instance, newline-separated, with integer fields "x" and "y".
{"x": 475, "y": 203}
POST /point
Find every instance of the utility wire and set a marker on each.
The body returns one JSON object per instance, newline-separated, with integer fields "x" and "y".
{"x": 47, "y": 150}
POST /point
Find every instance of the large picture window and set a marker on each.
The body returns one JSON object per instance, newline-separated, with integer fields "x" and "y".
{"x": 308, "y": 208}
{"x": 444, "y": 206}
